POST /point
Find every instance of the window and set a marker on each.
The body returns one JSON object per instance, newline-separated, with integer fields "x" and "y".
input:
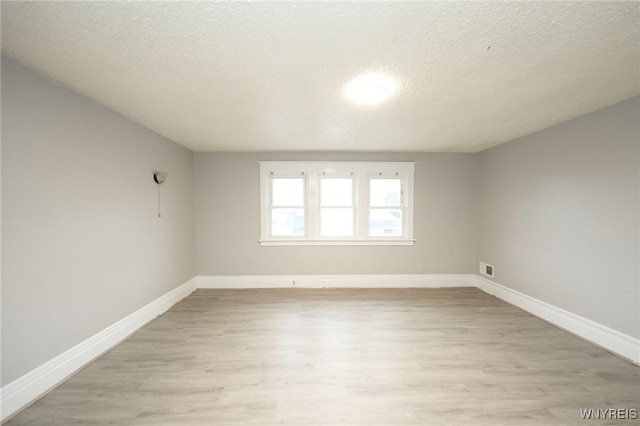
{"x": 334, "y": 203}
{"x": 385, "y": 207}
{"x": 287, "y": 207}
{"x": 336, "y": 207}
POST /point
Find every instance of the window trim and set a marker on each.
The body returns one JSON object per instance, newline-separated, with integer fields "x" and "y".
{"x": 313, "y": 171}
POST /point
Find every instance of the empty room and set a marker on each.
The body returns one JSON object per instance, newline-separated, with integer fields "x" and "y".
{"x": 320, "y": 213}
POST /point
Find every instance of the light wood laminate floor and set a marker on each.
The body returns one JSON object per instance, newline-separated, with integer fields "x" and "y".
{"x": 344, "y": 357}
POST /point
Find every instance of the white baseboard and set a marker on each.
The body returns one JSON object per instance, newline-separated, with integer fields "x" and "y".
{"x": 619, "y": 343}
{"x": 336, "y": 281}
{"x": 26, "y": 389}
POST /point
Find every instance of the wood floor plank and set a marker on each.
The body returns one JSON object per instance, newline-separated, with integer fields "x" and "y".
{"x": 343, "y": 357}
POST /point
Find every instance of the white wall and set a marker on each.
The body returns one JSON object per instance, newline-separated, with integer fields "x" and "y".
{"x": 82, "y": 246}
{"x": 228, "y": 220}
{"x": 559, "y": 215}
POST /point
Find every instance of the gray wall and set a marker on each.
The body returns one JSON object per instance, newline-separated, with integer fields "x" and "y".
{"x": 82, "y": 246}
{"x": 559, "y": 215}
{"x": 228, "y": 220}
{"x": 556, "y": 212}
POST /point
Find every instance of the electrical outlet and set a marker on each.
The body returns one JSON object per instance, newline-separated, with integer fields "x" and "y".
{"x": 486, "y": 269}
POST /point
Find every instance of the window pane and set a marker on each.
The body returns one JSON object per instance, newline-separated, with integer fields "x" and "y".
{"x": 336, "y": 192}
{"x": 287, "y": 192}
{"x": 385, "y": 192}
{"x": 385, "y": 222}
{"x": 287, "y": 222}
{"x": 336, "y": 222}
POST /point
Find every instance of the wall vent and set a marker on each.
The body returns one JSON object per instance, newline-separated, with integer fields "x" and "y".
{"x": 486, "y": 269}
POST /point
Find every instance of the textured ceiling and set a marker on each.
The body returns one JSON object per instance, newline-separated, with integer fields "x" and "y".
{"x": 238, "y": 76}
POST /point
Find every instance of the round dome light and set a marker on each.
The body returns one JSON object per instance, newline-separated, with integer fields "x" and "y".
{"x": 370, "y": 89}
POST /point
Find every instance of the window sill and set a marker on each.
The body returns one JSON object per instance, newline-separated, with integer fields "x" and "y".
{"x": 384, "y": 242}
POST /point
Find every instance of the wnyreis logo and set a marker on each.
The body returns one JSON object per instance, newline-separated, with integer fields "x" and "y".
{"x": 609, "y": 413}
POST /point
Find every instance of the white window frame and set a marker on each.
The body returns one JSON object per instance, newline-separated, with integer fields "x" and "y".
{"x": 313, "y": 171}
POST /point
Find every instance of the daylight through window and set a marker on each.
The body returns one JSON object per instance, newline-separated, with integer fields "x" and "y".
{"x": 323, "y": 203}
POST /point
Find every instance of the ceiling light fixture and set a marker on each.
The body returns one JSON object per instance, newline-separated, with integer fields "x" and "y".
{"x": 370, "y": 89}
